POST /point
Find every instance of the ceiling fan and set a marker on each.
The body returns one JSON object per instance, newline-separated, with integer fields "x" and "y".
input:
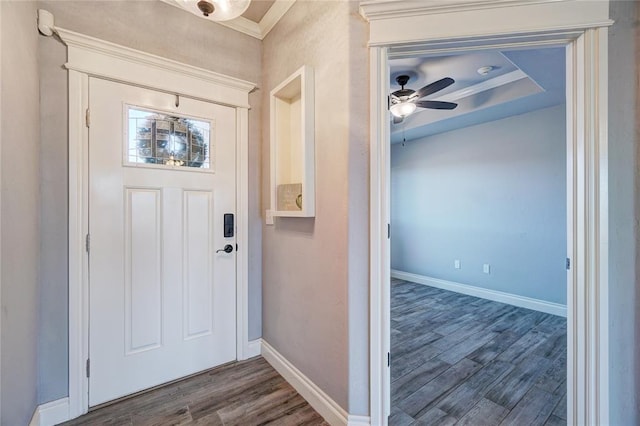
{"x": 405, "y": 101}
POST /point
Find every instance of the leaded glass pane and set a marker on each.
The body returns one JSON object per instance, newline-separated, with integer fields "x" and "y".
{"x": 167, "y": 140}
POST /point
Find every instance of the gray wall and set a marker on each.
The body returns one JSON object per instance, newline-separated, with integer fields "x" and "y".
{"x": 52, "y": 345}
{"x": 160, "y": 29}
{"x": 315, "y": 269}
{"x": 624, "y": 213}
{"x": 492, "y": 193}
{"x": 20, "y": 211}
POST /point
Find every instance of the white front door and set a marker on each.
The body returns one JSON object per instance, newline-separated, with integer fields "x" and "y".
{"x": 161, "y": 189}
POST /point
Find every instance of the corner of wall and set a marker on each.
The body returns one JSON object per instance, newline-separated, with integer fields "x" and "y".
{"x": 358, "y": 223}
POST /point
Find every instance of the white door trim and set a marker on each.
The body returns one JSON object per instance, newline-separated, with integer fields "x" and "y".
{"x": 587, "y": 301}
{"x": 380, "y": 248}
{"x": 87, "y": 57}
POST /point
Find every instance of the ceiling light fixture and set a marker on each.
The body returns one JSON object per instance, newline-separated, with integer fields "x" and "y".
{"x": 215, "y": 10}
{"x": 403, "y": 109}
{"x": 485, "y": 70}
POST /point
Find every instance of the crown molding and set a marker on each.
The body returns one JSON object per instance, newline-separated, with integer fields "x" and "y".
{"x": 246, "y": 26}
{"x": 273, "y": 15}
{"x": 243, "y": 25}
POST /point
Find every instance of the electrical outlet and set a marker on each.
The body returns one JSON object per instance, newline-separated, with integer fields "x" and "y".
{"x": 456, "y": 264}
{"x": 486, "y": 268}
{"x": 269, "y": 217}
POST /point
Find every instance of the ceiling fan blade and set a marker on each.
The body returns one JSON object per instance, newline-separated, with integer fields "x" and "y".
{"x": 436, "y": 105}
{"x": 397, "y": 120}
{"x": 436, "y": 86}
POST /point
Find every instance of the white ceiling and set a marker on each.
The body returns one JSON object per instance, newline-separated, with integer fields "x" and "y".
{"x": 521, "y": 81}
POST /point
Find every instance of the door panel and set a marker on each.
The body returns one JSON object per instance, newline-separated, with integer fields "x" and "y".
{"x": 143, "y": 266}
{"x": 162, "y": 301}
{"x": 198, "y": 238}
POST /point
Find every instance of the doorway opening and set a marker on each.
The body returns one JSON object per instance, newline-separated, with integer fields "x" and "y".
{"x": 479, "y": 236}
{"x": 587, "y": 250}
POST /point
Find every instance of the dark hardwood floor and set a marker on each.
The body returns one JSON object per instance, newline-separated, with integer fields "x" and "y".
{"x": 241, "y": 393}
{"x": 457, "y": 359}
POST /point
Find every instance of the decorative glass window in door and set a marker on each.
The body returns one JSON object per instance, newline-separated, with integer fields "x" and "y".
{"x": 157, "y": 138}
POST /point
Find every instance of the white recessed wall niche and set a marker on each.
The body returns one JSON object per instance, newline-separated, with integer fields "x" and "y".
{"x": 292, "y": 160}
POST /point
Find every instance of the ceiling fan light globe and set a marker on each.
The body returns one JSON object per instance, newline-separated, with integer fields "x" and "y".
{"x": 403, "y": 109}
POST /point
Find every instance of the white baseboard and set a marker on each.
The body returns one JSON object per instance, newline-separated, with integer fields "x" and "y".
{"x": 496, "y": 296}
{"x": 254, "y": 348}
{"x": 35, "y": 419}
{"x": 320, "y": 401}
{"x": 358, "y": 420}
{"x": 51, "y": 413}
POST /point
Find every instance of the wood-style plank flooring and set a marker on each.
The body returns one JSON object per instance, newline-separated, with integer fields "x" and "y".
{"x": 457, "y": 359}
{"x": 241, "y": 393}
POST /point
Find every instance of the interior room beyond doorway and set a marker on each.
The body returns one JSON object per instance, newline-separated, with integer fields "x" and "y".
{"x": 479, "y": 241}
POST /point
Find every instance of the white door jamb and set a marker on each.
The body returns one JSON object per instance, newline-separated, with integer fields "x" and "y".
{"x": 380, "y": 253}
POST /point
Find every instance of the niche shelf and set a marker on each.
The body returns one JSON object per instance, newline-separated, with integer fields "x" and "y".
{"x": 292, "y": 154}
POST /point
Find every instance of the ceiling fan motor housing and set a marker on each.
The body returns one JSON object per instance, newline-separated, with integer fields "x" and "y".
{"x": 402, "y": 80}
{"x": 403, "y": 93}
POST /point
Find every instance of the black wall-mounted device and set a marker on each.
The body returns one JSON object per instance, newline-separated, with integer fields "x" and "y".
{"x": 228, "y": 225}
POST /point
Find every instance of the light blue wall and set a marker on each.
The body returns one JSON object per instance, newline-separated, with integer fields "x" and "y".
{"x": 491, "y": 193}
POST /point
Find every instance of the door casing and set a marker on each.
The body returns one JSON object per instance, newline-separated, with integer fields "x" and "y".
{"x": 461, "y": 25}
{"x": 87, "y": 57}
